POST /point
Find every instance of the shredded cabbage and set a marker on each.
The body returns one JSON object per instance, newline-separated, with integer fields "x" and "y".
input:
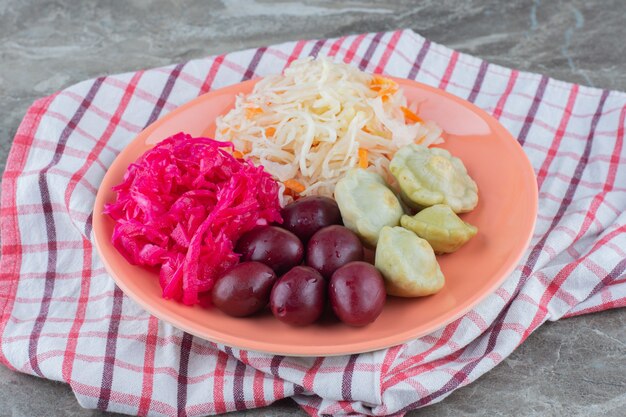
{"x": 306, "y": 127}
{"x": 183, "y": 205}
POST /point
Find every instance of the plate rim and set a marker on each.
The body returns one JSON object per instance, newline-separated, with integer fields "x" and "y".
{"x": 298, "y": 351}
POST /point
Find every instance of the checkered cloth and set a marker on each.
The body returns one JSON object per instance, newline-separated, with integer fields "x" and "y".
{"x": 63, "y": 318}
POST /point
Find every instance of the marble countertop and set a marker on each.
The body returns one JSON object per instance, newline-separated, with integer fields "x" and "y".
{"x": 571, "y": 367}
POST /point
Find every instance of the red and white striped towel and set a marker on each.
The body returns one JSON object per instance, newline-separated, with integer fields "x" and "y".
{"x": 63, "y": 318}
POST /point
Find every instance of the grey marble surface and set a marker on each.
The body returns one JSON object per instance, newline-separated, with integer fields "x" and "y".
{"x": 573, "y": 367}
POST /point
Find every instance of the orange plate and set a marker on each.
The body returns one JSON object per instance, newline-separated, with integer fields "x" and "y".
{"x": 505, "y": 218}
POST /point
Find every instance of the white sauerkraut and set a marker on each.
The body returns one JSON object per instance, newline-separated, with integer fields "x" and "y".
{"x": 313, "y": 123}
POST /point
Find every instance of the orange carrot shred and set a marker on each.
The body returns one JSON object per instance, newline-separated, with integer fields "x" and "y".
{"x": 294, "y": 185}
{"x": 363, "y": 163}
{"x": 409, "y": 115}
{"x": 378, "y": 81}
{"x": 384, "y": 86}
{"x": 224, "y": 131}
{"x": 375, "y": 83}
{"x": 269, "y": 132}
{"x": 253, "y": 111}
{"x": 237, "y": 154}
{"x": 389, "y": 91}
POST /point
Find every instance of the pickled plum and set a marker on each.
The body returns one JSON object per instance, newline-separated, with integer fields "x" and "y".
{"x": 277, "y": 248}
{"x": 357, "y": 293}
{"x": 309, "y": 214}
{"x": 332, "y": 247}
{"x": 299, "y": 296}
{"x": 244, "y": 290}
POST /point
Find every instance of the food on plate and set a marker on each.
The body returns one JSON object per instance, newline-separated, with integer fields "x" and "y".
{"x": 244, "y": 290}
{"x": 366, "y": 204}
{"x": 311, "y": 124}
{"x": 357, "y": 293}
{"x": 331, "y": 248}
{"x": 181, "y": 207}
{"x": 277, "y": 248}
{"x": 429, "y": 176}
{"x": 299, "y": 296}
{"x": 307, "y": 215}
{"x": 441, "y": 227}
{"x": 207, "y": 213}
{"x": 408, "y": 263}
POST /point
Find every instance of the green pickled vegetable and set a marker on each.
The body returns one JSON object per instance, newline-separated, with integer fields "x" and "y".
{"x": 429, "y": 176}
{"x": 366, "y": 204}
{"x": 407, "y": 263}
{"x": 441, "y": 227}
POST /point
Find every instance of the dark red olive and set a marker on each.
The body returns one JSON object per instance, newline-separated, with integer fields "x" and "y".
{"x": 357, "y": 293}
{"x": 277, "y": 248}
{"x": 244, "y": 290}
{"x": 299, "y": 296}
{"x": 332, "y": 247}
{"x": 309, "y": 214}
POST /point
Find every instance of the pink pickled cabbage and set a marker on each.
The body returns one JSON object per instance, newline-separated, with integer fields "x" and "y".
{"x": 183, "y": 205}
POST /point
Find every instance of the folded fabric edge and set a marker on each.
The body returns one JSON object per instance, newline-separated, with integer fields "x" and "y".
{"x": 10, "y": 255}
